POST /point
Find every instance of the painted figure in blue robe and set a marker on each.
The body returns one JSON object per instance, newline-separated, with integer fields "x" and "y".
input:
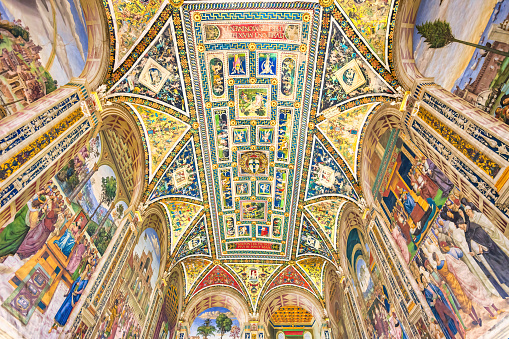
{"x": 73, "y": 295}
{"x": 68, "y": 239}
{"x": 441, "y": 310}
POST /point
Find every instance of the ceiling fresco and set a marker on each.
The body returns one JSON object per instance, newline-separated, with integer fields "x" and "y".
{"x": 291, "y": 315}
{"x": 252, "y": 117}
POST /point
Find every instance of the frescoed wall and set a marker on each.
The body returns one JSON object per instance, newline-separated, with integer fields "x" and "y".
{"x": 462, "y": 269}
{"x": 143, "y": 268}
{"x": 458, "y": 257}
{"x": 410, "y": 190}
{"x": 54, "y": 243}
{"x": 127, "y": 309}
{"x": 43, "y": 44}
{"x": 477, "y": 75}
{"x": 120, "y": 320}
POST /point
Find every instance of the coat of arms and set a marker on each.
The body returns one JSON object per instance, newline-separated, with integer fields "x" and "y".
{"x": 254, "y": 163}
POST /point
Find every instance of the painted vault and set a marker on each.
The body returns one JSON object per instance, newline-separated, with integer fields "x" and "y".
{"x": 253, "y": 116}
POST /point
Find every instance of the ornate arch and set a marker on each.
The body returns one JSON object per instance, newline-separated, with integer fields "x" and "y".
{"x": 289, "y": 296}
{"x": 119, "y": 124}
{"x": 154, "y": 217}
{"x": 386, "y": 117}
{"x": 403, "y": 54}
{"x": 98, "y": 58}
{"x": 350, "y": 218}
{"x": 219, "y": 296}
{"x": 334, "y": 300}
{"x": 174, "y": 297}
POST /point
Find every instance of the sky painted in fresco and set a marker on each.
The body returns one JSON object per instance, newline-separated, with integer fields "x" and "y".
{"x": 448, "y": 63}
{"x": 212, "y": 314}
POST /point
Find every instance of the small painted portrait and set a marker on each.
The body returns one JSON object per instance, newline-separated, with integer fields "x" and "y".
{"x": 222, "y": 137}
{"x": 240, "y": 135}
{"x": 253, "y": 210}
{"x": 211, "y": 32}
{"x": 350, "y": 76}
{"x": 253, "y": 103}
{"x": 265, "y": 135}
{"x": 237, "y": 64}
{"x": 264, "y": 188}
{"x": 153, "y": 75}
{"x": 217, "y": 76}
{"x": 242, "y": 188}
{"x": 267, "y": 64}
{"x": 288, "y": 76}
{"x": 276, "y": 227}
{"x": 229, "y": 222}
{"x": 292, "y": 32}
{"x": 263, "y": 230}
{"x": 284, "y": 134}
{"x": 244, "y": 231}
{"x": 279, "y": 189}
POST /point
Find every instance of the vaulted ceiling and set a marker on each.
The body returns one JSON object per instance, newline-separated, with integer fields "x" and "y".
{"x": 252, "y": 116}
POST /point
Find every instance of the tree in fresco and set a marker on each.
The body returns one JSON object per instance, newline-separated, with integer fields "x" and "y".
{"x": 223, "y": 323}
{"x": 438, "y": 34}
{"x": 120, "y": 211}
{"x": 235, "y": 332}
{"x": 206, "y": 329}
{"x": 108, "y": 192}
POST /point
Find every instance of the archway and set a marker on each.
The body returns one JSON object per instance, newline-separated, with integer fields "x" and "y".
{"x": 288, "y": 307}
{"x": 211, "y": 302}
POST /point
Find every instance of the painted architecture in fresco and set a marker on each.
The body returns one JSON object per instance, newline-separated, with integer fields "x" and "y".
{"x": 43, "y": 45}
{"x": 56, "y": 241}
{"x": 254, "y": 170}
{"x": 476, "y": 75}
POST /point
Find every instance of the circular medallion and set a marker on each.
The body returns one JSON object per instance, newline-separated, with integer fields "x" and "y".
{"x": 231, "y": 82}
{"x": 201, "y": 48}
{"x": 252, "y": 80}
{"x": 253, "y": 122}
{"x": 326, "y": 3}
{"x": 273, "y": 81}
{"x": 208, "y": 105}
{"x": 252, "y": 47}
{"x": 306, "y": 17}
{"x": 196, "y": 16}
{"x": 303, "y": 48}
{"x": 273, "y": 103}
{"x": 177, "y": 3}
